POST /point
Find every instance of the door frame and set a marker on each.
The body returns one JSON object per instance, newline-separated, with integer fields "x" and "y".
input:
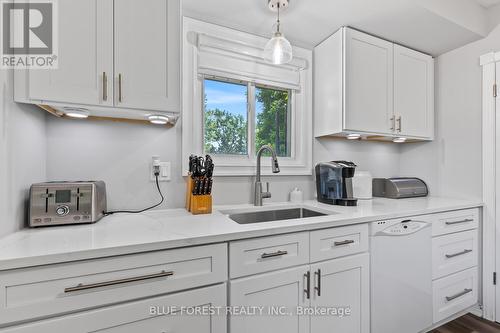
{"x": 490, "y": 225}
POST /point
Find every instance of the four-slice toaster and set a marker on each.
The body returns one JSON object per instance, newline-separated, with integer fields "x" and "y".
{"x": 56, "y": 203}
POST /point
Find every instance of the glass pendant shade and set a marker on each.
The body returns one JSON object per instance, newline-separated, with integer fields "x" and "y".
{"x": 278, "y": 49}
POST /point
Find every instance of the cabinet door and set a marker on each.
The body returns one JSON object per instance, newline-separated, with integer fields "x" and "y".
{"x": 85, "y": 55}
{"x": 147, "y": 48}
{"x": 368, "y": 83}
{"x": 341, "y": 284}
{"x": 281, "y": 291}
{"x": 413, "y": 92}
{"x": 156, "y": 315}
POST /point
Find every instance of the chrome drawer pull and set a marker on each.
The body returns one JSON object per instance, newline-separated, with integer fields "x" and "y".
{"x": 104, "y": 86}
{"x": 81, "y": 286}
{"x": 273, "y": 254}
{"x": 307, "y": 290}
{"x": 458, "y": 222}
{"x": 120, "y": 97}
{"x": 318, "y": 288}
{"x": 458, "y": 254}
{"x": 346, "y": 242}
{"x": 460, "y": 294}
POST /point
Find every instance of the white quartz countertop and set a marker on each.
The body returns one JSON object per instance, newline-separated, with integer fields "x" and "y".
{"x": 131, "y": 233}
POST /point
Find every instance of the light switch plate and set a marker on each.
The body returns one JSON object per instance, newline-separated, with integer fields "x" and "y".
{"x": 165, "y": 172}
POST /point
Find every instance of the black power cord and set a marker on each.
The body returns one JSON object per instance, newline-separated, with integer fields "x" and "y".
{"x": 157, "y": 174}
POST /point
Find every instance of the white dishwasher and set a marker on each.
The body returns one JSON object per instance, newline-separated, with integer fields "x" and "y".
{"x": 401, "y": 276}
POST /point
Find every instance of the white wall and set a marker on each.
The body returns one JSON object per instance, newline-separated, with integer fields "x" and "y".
{"x": 380, "y": 158}
{"x": 120, "y": 154}
{"x": 22, "y": 155}
{"x": 452, "y": 163}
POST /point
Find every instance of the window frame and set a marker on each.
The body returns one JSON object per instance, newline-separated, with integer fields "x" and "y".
{"x": 249, "y": 47}
{"x": 251, "y": 116}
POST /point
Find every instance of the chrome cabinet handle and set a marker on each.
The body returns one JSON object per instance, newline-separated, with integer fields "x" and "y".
{"x": 307, "y": 290}
{"x": 399, "y": 121}
{"x": 458, "y": 222}
{"x": 346, "y": 242}
{"x": 460, "y": 294}
{"x": 318, "y": 288}
{"x": 104, "y": 86}
{"x": 120, "y": 96}
{"x": 82, "y": 286}
{"x": 273, "y": 254}
{"x": 458, "y": 254}
{"x": 393, "y": 122}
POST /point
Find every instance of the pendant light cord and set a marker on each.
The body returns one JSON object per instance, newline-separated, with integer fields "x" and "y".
{"x": 278, "y": 22}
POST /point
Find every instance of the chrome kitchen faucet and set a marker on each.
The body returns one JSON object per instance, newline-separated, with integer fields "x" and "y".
{"x": 259, "y": 195}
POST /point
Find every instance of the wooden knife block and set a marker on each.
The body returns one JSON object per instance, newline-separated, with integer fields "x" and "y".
{"x": 197, "y": 204}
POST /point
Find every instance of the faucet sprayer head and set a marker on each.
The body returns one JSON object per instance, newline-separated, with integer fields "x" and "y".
{"x": 274, "y": 164}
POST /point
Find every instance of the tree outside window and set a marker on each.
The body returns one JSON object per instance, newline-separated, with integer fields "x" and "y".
{"x": 226, "y": 118}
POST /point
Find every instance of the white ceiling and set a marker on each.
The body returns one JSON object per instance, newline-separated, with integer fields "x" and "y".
{"x": 488, "y": 3}
{"x": 432, "y": 26}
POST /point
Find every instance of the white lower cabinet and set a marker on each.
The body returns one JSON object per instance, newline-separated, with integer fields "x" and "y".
{"x": 331, "y": 296}
{"x": 281, "y": 291}
{"x": 54, "y": 290}
{"x": 170, "y": 314}
{"x": 307, "y": 282}
{"x": 342, "y": 285}
{"x": 455, "y": 293}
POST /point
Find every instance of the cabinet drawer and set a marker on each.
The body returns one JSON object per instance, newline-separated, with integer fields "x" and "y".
{"x": 455, "y": 293}
{"x": 338, "y": 242}
{"x": 453, "y": 253}
{"x": 56, "y": 289}
{"x": 144, "y": 316}
{"x": 449, "y": 222}
{"x": 268, "y": 253}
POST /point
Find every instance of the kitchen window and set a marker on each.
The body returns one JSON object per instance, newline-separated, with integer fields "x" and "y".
{"x": 233, "y": 102}
{"x": 240, "y": 117}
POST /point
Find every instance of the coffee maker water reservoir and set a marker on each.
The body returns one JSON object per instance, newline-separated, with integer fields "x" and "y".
{"x": 334, "y": 183}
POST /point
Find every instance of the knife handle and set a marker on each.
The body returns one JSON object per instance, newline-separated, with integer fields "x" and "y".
{"x": 202, "y": 185}
{"x": 209, "y": 187}
{"x": 205, "y": 186}
{"x": 195, "y": 187}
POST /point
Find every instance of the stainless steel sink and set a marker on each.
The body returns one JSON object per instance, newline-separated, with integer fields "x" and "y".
{"x": 274, "y": 215}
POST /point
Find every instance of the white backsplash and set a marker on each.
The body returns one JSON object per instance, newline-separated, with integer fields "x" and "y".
{"x": 22, "y": 155}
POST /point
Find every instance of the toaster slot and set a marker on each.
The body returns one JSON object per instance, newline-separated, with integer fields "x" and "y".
{"x": 47, "y": 201}
{"x": 78, "y": 199}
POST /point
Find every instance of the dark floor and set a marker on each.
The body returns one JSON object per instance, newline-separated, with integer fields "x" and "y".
{"x": 469, "y": 324}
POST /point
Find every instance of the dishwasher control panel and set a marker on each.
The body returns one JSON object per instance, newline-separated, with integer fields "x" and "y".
{"x": 395, "y": 228}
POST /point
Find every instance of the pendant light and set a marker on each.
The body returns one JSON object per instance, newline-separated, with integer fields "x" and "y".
{"x": 278, "y": 49}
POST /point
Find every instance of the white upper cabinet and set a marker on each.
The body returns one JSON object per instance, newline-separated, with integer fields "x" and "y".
{"x": 85, "y": 56}
{"x": 117, "y": 58}
{"x": 413, "y": 92}
{"x": 368, "y": 86}
{"x": 146, "y": 57}
{"x": 368, "y": 83}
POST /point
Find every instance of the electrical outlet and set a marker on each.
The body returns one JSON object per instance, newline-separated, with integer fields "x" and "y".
{"x": 164, "y": 170}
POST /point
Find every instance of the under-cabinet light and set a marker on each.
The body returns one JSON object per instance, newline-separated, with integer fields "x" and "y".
{"x": 158, "y": 119}
{"x": 353, "y": 136}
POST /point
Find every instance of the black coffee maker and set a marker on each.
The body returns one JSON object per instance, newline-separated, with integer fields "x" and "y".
{"x": 334, "y": 183}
